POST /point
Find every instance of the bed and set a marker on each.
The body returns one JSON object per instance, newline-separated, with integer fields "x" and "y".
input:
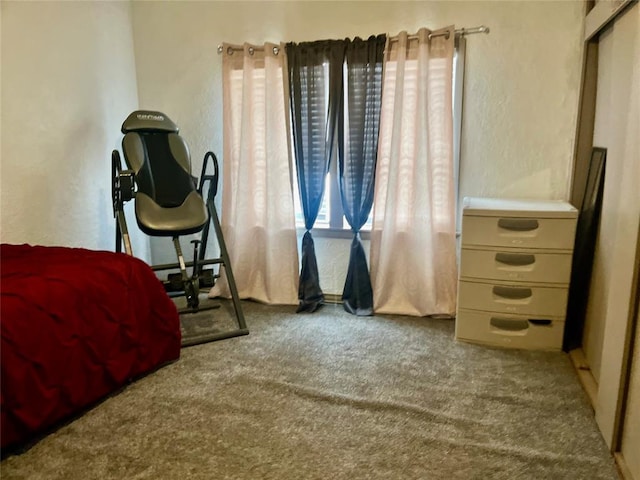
{"x": 76, "y": 326}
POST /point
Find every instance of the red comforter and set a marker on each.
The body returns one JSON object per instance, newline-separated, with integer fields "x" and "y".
{"x": 76, "y": 325}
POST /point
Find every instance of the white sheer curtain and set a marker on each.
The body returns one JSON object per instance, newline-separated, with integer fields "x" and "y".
{"x": 413, "y": 245}
{"x": 257, "y": 202}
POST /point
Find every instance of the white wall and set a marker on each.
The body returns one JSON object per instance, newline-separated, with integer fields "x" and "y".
{"x": 521, "y": 95}
{"x": 68, "y": 82}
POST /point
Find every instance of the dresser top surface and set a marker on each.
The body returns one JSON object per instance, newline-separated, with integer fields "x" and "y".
{"x": 484, "y": 206}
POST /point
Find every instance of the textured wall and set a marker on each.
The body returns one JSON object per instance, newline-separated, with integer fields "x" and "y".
{"x": 521, "y": 95}
{"x": 333, "y": 261}
{"x": 68, "y": 81}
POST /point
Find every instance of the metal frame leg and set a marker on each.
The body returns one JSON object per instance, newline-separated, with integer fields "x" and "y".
{"x": 191, "y": 287}
{"x": 226, "y": 262}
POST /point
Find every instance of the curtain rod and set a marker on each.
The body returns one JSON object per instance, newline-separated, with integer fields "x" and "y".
{"x": 231, "y": 49}
{"x": 460, "y": 32}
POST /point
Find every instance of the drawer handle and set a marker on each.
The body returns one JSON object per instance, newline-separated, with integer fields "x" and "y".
{"x": 518, "y": 224}
{"x": 508, "y": 324}
{"x": 513, "y": 293}
{"x": 517, "y": 259}
{"x": 540, "y": 322}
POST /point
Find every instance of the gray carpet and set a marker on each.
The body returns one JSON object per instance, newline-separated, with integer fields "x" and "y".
{"x": 332, "y": 396}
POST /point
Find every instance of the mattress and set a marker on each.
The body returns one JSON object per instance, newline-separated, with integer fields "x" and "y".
{"x": 76, "y": 326}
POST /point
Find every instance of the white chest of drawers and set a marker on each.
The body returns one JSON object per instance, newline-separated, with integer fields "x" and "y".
{"x": 515, "y": 267}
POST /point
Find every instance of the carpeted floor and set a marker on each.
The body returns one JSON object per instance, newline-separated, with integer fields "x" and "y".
{"x": 332, "y": 396}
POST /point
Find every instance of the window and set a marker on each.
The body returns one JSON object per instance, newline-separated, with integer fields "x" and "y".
{"x": 331, "y": 217}
{"x": 331, "y": 220}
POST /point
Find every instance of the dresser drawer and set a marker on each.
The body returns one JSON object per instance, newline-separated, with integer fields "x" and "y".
{"x": 520, "y": 232}
{"x": 513, "y": 265}
{"x": 512, "y": 331}
{"x": 509, "y": 298}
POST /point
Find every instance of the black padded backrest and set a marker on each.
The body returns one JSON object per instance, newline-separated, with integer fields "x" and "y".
{"x": 148, "y": 121}
{"x": 157, "y": 154}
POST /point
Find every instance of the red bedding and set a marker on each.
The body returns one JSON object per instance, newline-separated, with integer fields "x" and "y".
{"x": 76, "y": 325}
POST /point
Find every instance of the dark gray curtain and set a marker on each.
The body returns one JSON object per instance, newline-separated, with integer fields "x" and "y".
{"x": 358, "y": 151}
{"x": 314, "y": 125}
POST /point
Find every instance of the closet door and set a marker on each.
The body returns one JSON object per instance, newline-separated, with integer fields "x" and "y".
{"x": 613, "y": 308}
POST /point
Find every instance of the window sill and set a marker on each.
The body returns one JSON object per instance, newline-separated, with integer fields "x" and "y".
{"x": 319, "y": 232}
